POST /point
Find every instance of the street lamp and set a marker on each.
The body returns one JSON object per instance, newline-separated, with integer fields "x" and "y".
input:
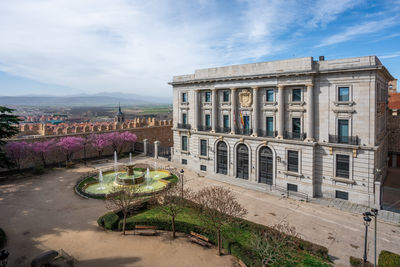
{"x": 182, "y": 171}
{"x": 367, "y": 221}
{"x": 375, "y": 214}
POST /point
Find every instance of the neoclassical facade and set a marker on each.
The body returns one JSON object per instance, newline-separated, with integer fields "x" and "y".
{"x": 317, "y": 128}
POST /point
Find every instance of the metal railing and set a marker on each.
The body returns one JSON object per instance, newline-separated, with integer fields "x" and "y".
{"x": 243, "y": 131}
{"x": 294, "y": 135}
{"x": 265, "y": 133}
{"x": 223, "y": 130}
{"x": 184, "y": 126}
{"x": 338, "y": 139}
{"x": 204, "y": 128}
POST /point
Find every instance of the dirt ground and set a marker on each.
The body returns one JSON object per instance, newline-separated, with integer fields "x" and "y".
{"x": 41, "y": 213}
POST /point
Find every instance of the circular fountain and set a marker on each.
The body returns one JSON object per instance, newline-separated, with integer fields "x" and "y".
{"x": 148, "y": 179}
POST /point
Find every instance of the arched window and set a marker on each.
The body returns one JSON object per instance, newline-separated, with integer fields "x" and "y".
{"x": 242, "y": 162}
{"x": 265, "y": 165}
{"x": 222, "y": 158}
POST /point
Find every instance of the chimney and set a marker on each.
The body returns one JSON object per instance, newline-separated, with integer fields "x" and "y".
{"x": 321, "y": 58}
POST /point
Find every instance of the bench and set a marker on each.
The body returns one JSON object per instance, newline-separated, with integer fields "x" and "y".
{"x": 145, "y": 230}
{"x": 199, "y": 239}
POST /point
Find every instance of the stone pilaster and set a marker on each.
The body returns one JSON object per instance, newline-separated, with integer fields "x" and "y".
{"x": 310, "y": 113}
{"x": 214, "y": 110}
{"x": 233, "y": 109}
{"x": 196, "y": 110}
{"x": 156, "y": 146}
{"x": 145, "y": 144}
{"x": 255, "y": 111}
{"x": 281, "y": 111}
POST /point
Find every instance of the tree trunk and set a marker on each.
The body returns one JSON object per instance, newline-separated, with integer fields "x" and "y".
{"x": 219, "y": 242}
{"x": 44, "y": 161}
{"x": 123, "y": 225}
{"x": 173, "y": 227}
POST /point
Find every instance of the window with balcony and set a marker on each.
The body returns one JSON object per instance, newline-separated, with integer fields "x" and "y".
{"x": 296, "y": 95}
{"x": 184, "y": 118}
{"x": 343, "y": 94}
{"x": 203, "y": 147}
{"x": 184, "y": 143}
{"x": 296, "y": 127}
{"x": 207, "y": 97}
{"x": 270, "y": 95}
{"x": 184, "y": 97}
{"x": 226, "y": 96}
{"x": 270, "y": 126}
{"x": 342, "y": 166}
{"x": 293, "y": 161}
{"x": 343, "y": 131}
{"x": 226, "y": 121}
{"x": 208, "y": 120}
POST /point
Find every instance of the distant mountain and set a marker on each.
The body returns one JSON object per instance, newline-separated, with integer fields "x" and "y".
{"x": 99, "y": 99}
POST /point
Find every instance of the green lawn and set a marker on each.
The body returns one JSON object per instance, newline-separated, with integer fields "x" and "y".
{"x": 236, "y": 237}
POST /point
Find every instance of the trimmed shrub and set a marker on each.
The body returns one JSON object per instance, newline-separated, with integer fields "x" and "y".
{"x": 357, "y": 262}
{"x": 388, "y": 259}
{"x": 38, "y": 169}
{"x": 3, "y": 238}
{"x": 109, "y": 221}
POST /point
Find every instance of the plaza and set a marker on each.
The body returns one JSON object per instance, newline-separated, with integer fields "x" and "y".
{"x": 43, "y": 212}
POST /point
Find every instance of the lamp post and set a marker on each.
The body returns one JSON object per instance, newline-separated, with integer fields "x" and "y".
{"x": 375, "y": 214}
{"x": 182, "y": 171}
{"x": 367, "y": 221}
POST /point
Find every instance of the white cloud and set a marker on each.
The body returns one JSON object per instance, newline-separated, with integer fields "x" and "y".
{"x": 393, "y": 55}
{"x": 358, "y": 30}
{"x": 137, "y": 46}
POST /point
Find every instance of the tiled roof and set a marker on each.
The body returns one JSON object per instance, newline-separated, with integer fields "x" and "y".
{"x": 394, "y": 101}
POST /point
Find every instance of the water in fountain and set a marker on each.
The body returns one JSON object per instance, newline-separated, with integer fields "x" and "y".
{"x": 155, "y": 170}
{"x": 101, "y": 187}
{"x": 115, "y": 164}
{"x": 130, "y": 157}
{"x": 148, "y": 179}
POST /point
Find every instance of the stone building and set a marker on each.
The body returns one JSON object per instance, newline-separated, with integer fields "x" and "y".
{"x": 119, "y": 117}
{"x": 312, "y": 127}
{"x": 394, "y": 126}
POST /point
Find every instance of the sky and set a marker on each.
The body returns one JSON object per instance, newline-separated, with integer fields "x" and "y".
{"x": 64, "y": 47}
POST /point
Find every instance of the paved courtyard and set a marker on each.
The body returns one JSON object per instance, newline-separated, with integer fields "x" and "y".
{"x": 340, "y": 231}
{"x": 43, "y": 212}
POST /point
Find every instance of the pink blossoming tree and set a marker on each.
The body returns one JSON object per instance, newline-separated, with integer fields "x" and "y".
{"x": 99, "y": 142}
{"x": 18, "y": 152}
{"x": 69, "y": 145}
{"x": 43, "y": 149}
{"x": 121, "y": 140}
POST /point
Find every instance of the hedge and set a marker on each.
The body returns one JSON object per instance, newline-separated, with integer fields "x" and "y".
{"x": 3, "y": 238}
{"x": 109, "y": 221}
{"x": 357, "y": 262}
{"x": 388, "y": 259}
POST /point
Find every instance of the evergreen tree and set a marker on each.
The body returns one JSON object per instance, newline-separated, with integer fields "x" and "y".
{"x": 8, "y": 128}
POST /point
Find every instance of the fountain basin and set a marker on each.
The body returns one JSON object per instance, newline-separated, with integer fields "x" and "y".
{"x": 129, "y": 179}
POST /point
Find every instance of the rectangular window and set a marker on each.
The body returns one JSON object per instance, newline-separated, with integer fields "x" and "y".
{"x": 184, "y": 143}
{"x": 184, "y": 161}
{"x": 270, "y": 126}
{"x": 203, "y": 147}
{"x": 342, "y": 166}
{"x": 270, "y": 95}
{"x": 296, "y": 127}
{"x": 226, "y": 96}
{"x": 296, "y": 95}
{"x": 293, "y": 161}
{"x": 343, "y": 94}
{"x": 203, "y": 168}
{"x": 226, "y": 121}
{"x": 292, "y": 187}
{"x": 184, "y": 118}
{"x": 343, "y": 131}
{"x": 342, "y": 195}
{"x": 208, "y": 120}
{"x": 208, "y": 96}
{"x": 184, "y": 97}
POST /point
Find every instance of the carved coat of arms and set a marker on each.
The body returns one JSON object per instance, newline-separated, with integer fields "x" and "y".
{"x": 245, "y": 99}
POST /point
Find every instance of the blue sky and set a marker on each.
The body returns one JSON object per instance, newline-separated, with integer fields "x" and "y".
{"x": 61, "y": 47}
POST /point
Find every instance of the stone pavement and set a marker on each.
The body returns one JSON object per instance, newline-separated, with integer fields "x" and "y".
{"x": 342, "y": 232}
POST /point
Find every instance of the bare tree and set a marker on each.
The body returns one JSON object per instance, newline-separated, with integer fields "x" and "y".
{"x": 217, "y": 206}
{"x": 171, "y": 203}
{"x": 275, "y": 246}
{"x": 123, "y": 199}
